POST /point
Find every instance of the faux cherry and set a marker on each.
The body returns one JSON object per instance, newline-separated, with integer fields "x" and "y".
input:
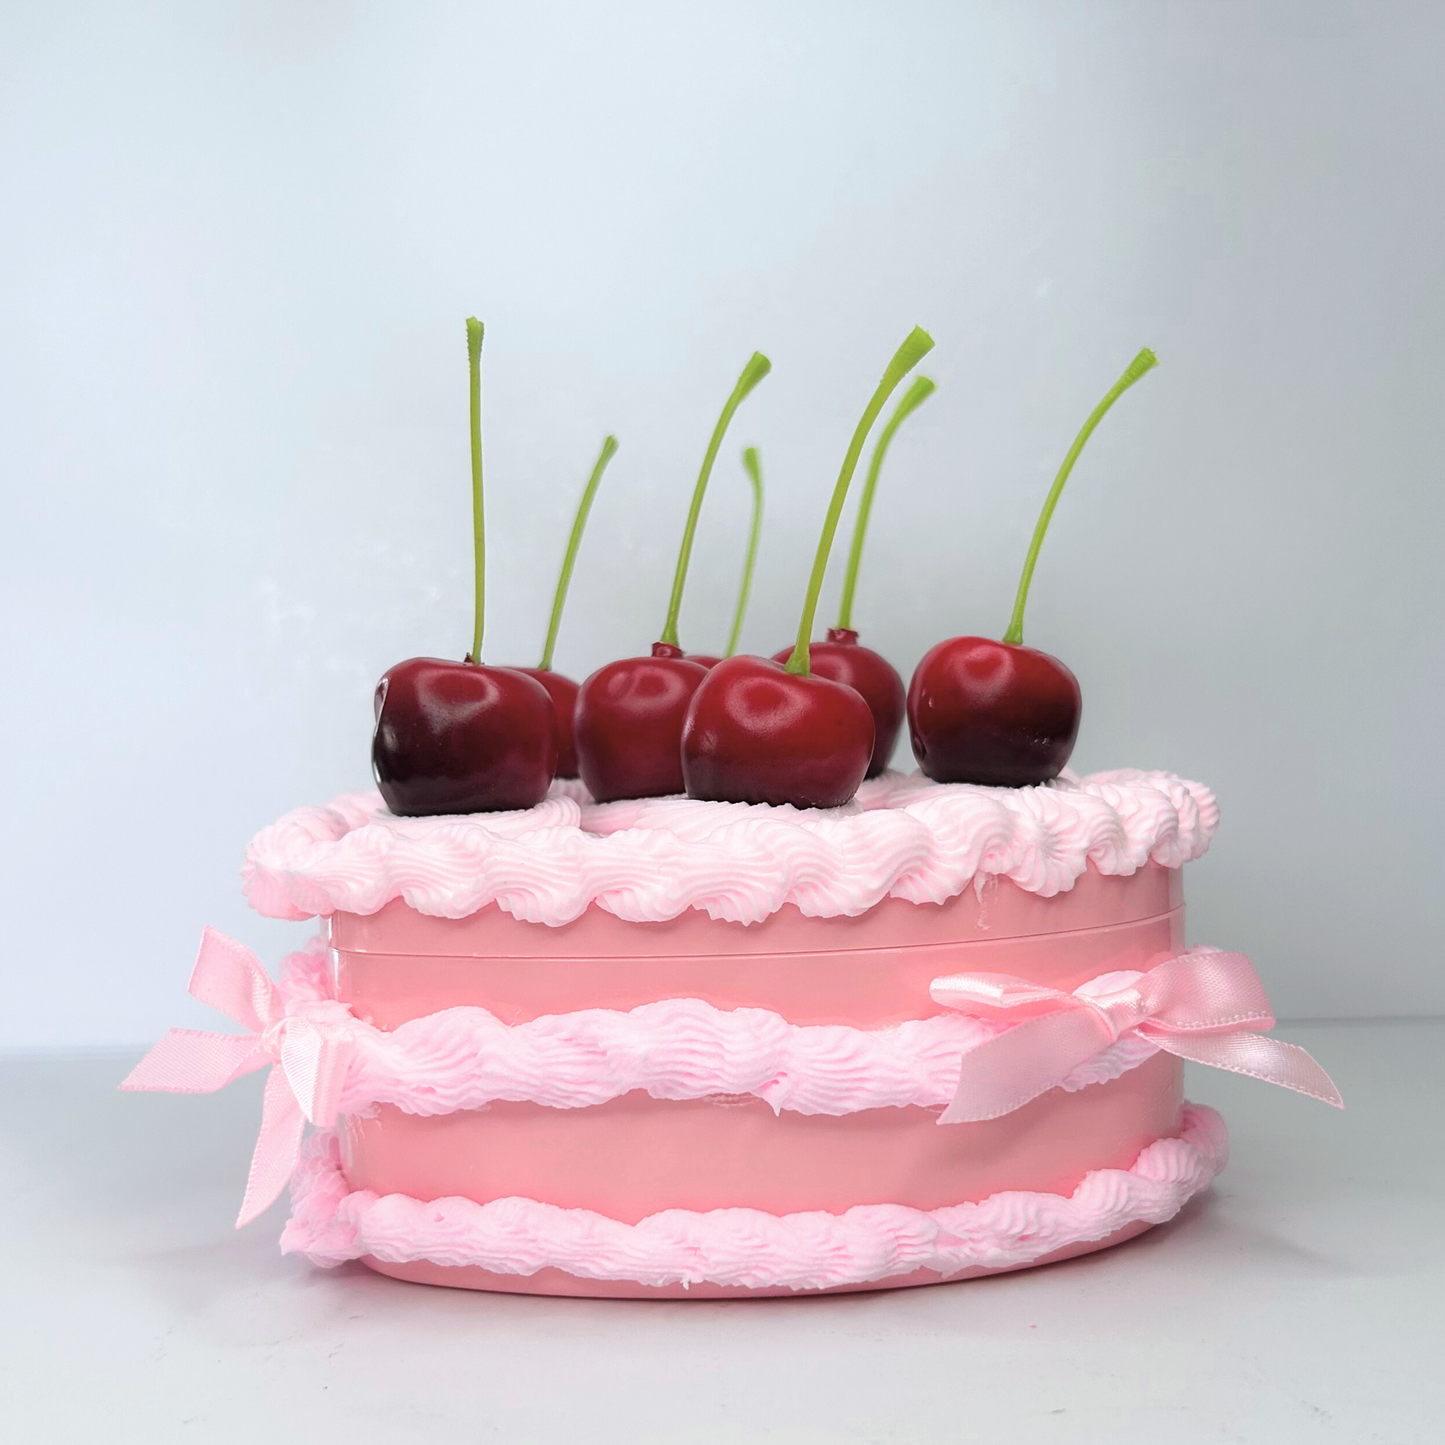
{"x": 629, "y": 722}
{"x": 762, "y": 732}
{"x": 999, "y": 713}
{"x": 754, "y": 470}
{"x": 562, "y": 690}
{"x": 458, "y": 737}
{"x": 843, "y": 659}
{"x": 984, "y": 711}
{"x": 455, "y": 737}
{"x": 629, "y": 715}
{"x": 757, "y": 733}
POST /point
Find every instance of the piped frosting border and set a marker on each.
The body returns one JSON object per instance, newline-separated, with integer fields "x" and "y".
{"x": 652, "y": 859}
{"x": 465, "y": 1057}
{"x": 330, "y": 1224}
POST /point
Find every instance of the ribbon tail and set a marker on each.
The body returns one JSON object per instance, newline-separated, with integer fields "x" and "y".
{"x": 1272, "y": 1060}
{"x": 278, "y": 1147}
{"x": 1016, "y": 1066}
{"x": 188, "y": 1061}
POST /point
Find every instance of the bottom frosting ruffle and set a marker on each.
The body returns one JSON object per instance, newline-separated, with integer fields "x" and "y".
{"x": 331, "y": 1223}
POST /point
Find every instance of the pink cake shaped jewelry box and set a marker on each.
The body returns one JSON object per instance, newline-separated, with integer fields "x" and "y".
{"x": 668, "y": 987}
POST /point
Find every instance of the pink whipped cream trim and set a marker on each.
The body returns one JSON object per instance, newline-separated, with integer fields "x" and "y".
{"x": 652, "y": 859}
{"x": 331, "y": 1224}
{"x": 464, "y": 1058}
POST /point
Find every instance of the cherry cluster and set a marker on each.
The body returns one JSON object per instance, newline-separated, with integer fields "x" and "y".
{"x": 804, "y": 727}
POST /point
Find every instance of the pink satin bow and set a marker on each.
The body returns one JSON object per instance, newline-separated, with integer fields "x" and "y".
{"x": 307, "y": 1085}
{"x": 1196, "y": 1006}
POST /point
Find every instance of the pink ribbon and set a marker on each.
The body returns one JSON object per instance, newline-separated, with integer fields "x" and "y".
{"x": 307, "y": 1085}
{"x": 1197, "y": 1006}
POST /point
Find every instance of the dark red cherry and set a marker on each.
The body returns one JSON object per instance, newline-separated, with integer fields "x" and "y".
{"x": 563, "y": 692}
{"x": 702, "y": 659}
{"x": 628, "y": 724}
{"x": 756, "y": 733}
{"x": 981, "y": 711}
{"x": 456, "y": 737}
{"x": 867, "y": 672}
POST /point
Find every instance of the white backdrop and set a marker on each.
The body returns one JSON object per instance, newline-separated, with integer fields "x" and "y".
{"x": 238, "y": 246}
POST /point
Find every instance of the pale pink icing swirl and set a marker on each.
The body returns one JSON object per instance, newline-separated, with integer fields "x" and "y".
{"x": 330, "y": 1224}
{"x": 652, "y": 859}
{"x": 465, "y": 1058}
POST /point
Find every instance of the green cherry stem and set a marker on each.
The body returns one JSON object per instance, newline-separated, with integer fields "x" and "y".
{"x": 579, "y": 524}
{"x": 757, "y": 368}
{"x": 755, "y": 476}
{"x": 1145, "y": 361}
{"x": 475, "y": 330}
{"x": 915, "y": 347}
{"x": 913, "y": 398}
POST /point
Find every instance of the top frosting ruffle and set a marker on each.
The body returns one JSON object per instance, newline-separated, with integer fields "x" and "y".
{"x": 651, "y": 859}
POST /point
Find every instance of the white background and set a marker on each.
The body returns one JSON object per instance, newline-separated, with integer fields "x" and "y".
{"x": 238, "y": 244}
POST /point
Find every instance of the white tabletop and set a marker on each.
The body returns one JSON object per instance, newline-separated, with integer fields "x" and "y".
{"x": 1299, "y": 1300}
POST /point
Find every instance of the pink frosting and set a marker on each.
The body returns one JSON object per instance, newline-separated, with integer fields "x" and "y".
{"x": 466, "y": 1057}
{"x": 330, "y": 1224}
{"x": 651, "y": 859}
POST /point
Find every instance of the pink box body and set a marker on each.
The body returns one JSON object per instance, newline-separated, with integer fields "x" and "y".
{"x": 636, "y": 1155}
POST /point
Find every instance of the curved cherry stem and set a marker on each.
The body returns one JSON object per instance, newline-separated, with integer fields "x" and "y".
{"x": 915, "y": 347}
{"x": 757, "y": 368}
{"x": 913, "y": 398}
{"x": 1145, "y": 361}
{"x": 579, "y": 524}
{"x": 475, "y": 330}
{"x": 755, "y": 476}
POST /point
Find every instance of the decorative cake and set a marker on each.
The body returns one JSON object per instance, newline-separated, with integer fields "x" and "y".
{"x": 739, "y": 1011}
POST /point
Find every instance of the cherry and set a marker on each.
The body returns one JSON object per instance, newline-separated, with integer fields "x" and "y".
{"x": 757, "y": 733}
{"x": 841, "y": 658}
{"x": 869, "y": 674}
{"x": 1000, "y": 713}
{"x": 458, "y": 737}
{"x": 629, "y": 720}
{"x": 629, "y": 715}
{"x": 761, "y": 732}
{"x": 454, "y": 737}
{"x": 981, "y": 711}
{"x": 755, "y": 476}
{"x": 562, "y": 690}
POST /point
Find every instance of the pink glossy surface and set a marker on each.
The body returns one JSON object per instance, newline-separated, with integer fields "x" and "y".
{"x": 635, "y": 1156}
{"x": 397, "y": 964}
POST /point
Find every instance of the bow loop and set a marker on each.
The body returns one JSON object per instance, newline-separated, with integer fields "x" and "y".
{"x": 229, "y": 977}
{"x": 1195, "y": 1006}
{"x": 309, "y": 1046}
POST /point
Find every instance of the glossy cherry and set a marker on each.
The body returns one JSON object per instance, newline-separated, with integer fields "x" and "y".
{"x": 563, "y": 693}
{"x": 458, "y": 737}
{"x": 562, "y": 690}
{"x": 843, "y": 659}
{"x": 629, "y": 720}
{"x": 757, "y": 733}
{"x": 761, "y": 732}
{"x": 983, "y": 711}
{"x": 454, "y": 737}
{"x": 703, "y": 659}
{"x": 629, "y": 716}
{"x": 999, "y": 713}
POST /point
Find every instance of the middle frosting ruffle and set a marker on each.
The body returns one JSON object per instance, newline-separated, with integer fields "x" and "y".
{"x": 464, "y": 1058}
